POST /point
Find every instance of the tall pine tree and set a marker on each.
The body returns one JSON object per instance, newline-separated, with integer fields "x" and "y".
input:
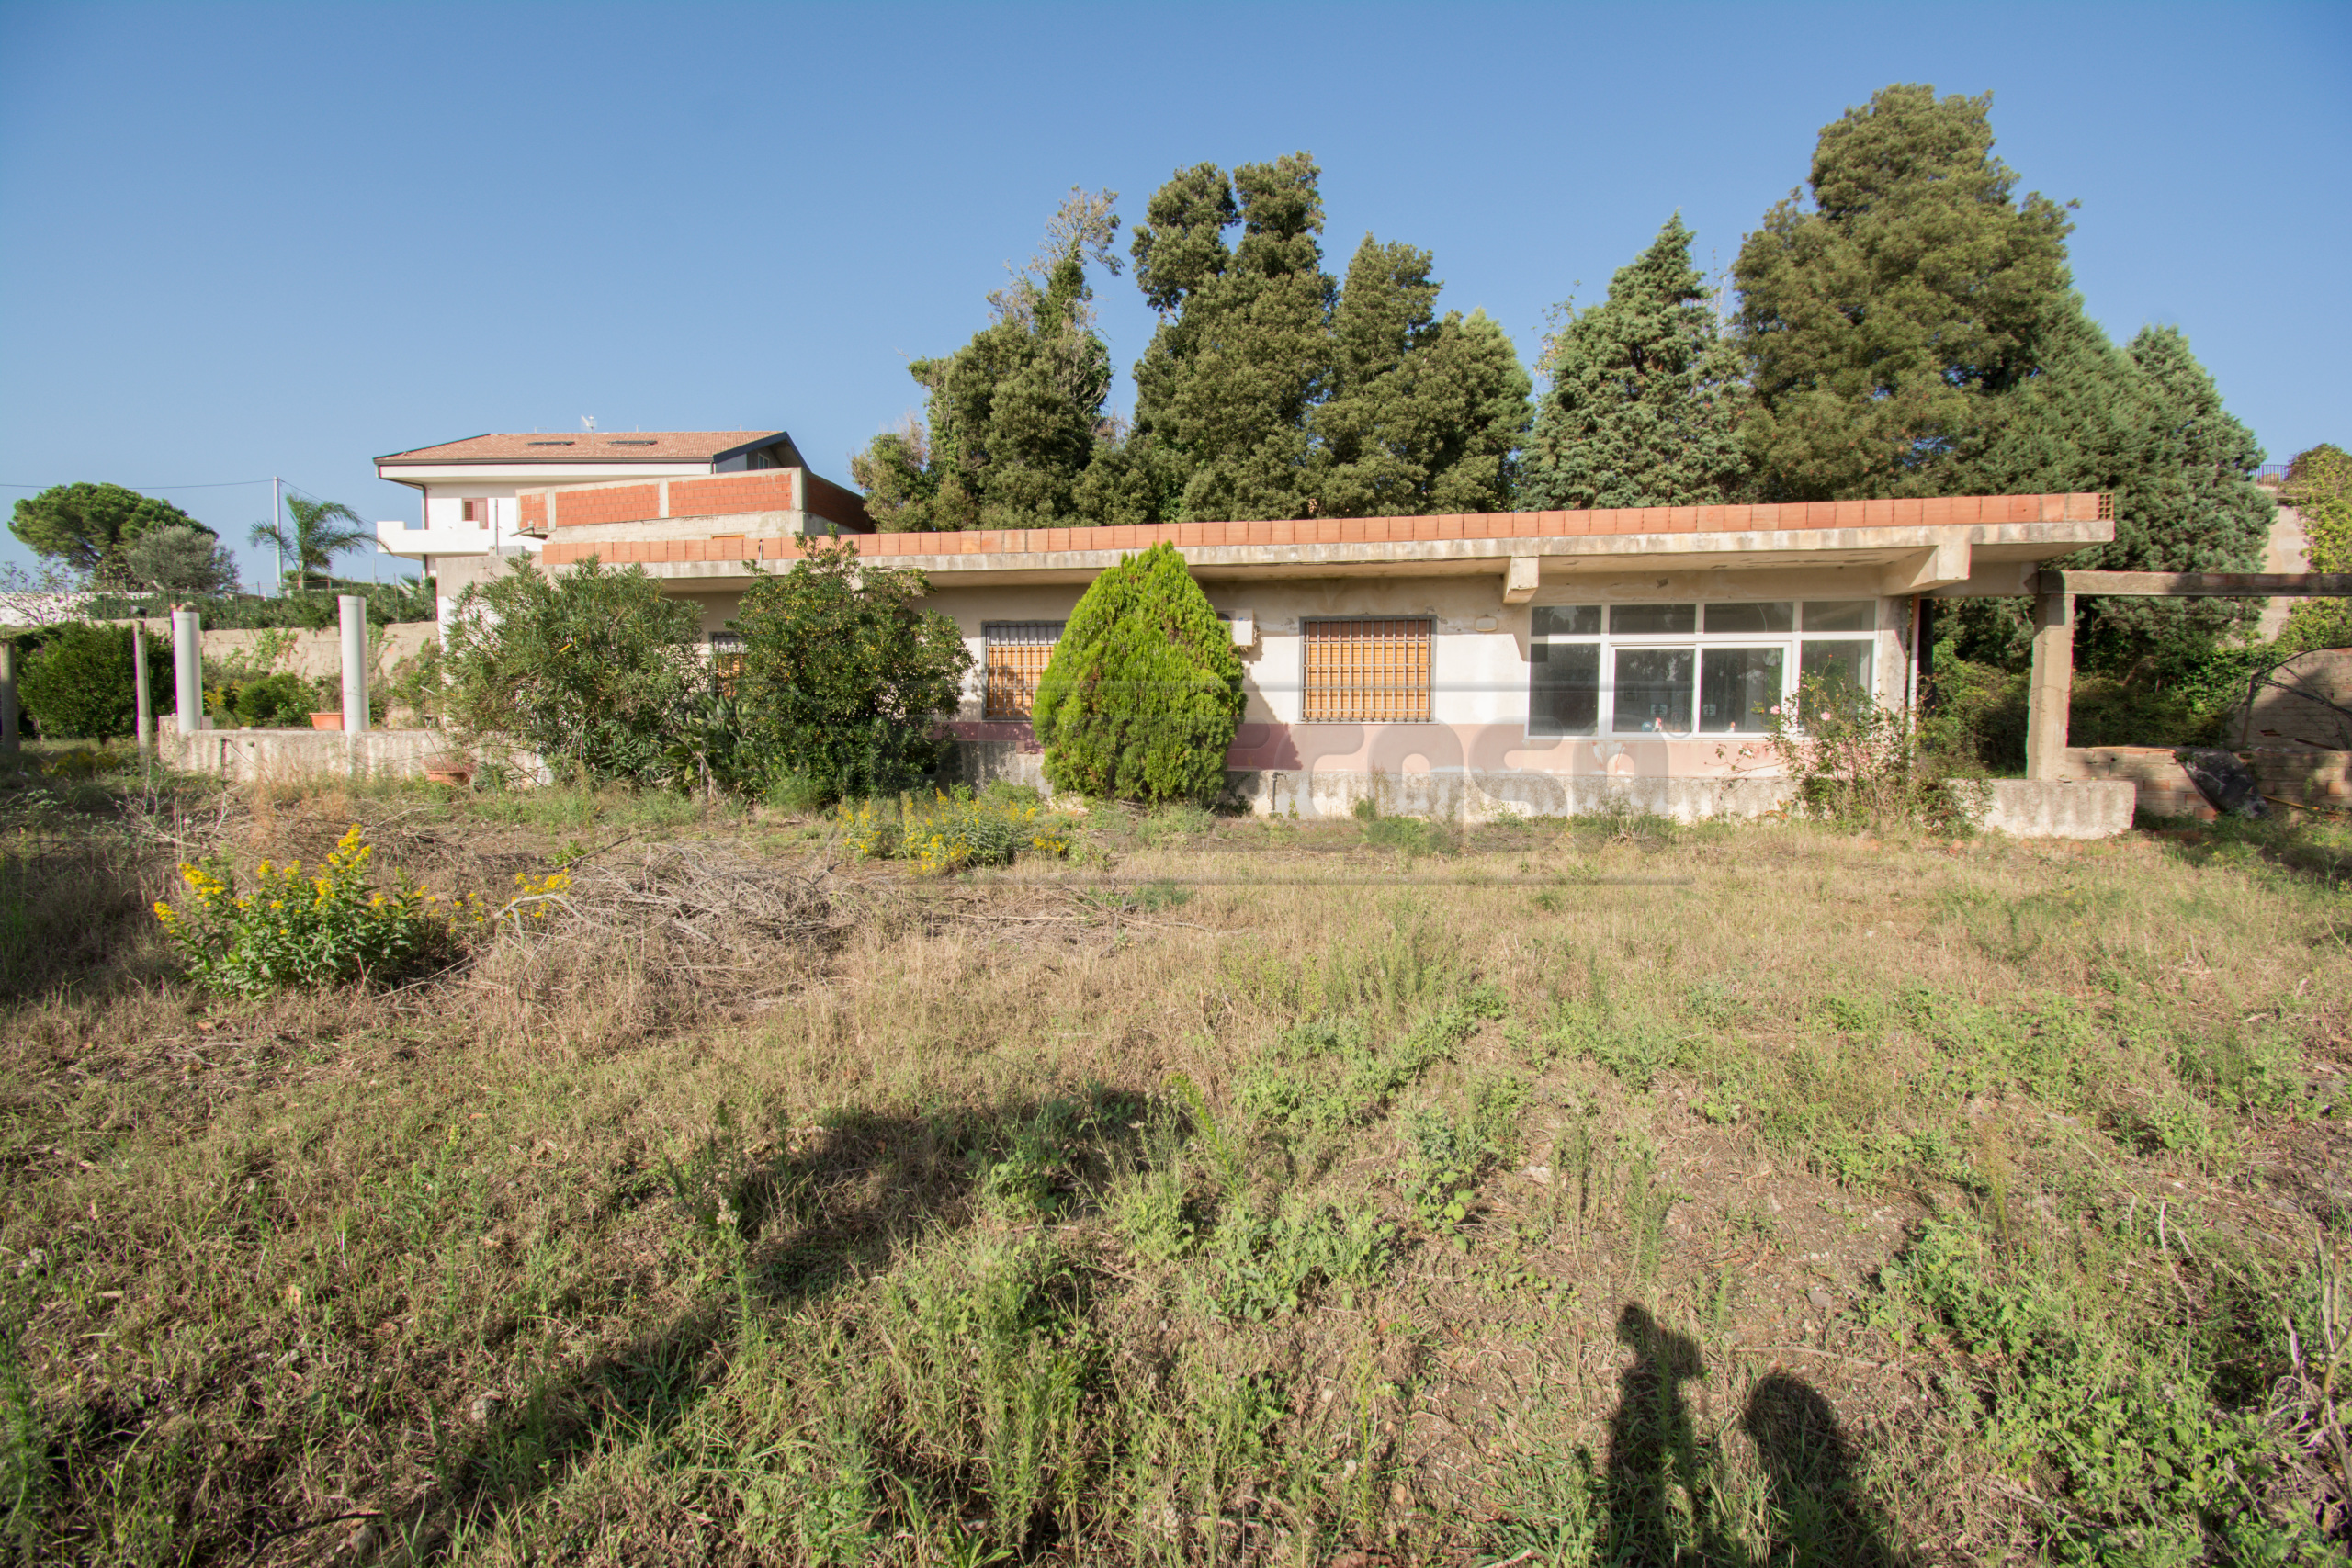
{"x": 2146, "y": 424}
{"x": 1645, "y": 396}
{"x": 1882, "y": 321}
{"x": 1243, "y": 348}
{"x": 1425, "y": 412}
{"x": 1016, "y": 416}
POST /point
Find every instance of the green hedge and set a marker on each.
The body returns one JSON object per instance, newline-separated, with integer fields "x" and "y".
{"x": 76, "y": 681}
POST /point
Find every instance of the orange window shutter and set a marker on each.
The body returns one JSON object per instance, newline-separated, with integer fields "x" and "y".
{"x": 1372, "y": 671}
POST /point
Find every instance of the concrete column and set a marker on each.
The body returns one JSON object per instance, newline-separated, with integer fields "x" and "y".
{"x": 188, "y": 670}
{"x": 145, "y": 701}
{"x": 9, "y": 740}
{"x": 354, "y": 610}
{"x": 2053, "y": 689}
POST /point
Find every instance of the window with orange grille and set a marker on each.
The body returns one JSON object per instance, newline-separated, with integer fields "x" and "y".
{"x": 725, "y": 661}
{"x": 1017, "y": 655}
{"x": 1367, "y": 672}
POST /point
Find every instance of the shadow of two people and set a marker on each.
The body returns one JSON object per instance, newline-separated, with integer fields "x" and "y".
{"x": 1658, "y": 1483}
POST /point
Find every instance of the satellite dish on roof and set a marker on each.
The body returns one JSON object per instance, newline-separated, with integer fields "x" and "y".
{"x": 587, "y": 421}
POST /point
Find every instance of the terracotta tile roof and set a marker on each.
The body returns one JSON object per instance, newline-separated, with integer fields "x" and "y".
{"x": 588, "y": 446}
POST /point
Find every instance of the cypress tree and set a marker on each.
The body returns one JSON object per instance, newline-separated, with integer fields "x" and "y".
{"x": 1425, "y": 414}
{"x": 1644, "y": 394}
{"x": 1242, "y": 351}
{"x": 1143, "y": 693}
{"x": 2145, "y": 423}
{"x": 1016, "y": 416}
{"x": 1882, "y": 323}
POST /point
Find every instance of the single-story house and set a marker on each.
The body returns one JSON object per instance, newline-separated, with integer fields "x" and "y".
{"x": 1540, "y": 661}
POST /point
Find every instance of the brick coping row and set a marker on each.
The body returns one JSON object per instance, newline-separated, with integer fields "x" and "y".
{"x": 1927, "y": 511}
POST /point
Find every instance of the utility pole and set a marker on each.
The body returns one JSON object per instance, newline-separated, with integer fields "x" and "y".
{"x": 277, "y": 520}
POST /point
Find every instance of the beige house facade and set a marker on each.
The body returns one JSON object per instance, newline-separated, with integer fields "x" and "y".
{"x": 1538, "y": 661}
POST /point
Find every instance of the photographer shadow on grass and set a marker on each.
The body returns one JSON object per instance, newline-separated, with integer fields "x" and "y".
{"x": 1658, "y": 1486}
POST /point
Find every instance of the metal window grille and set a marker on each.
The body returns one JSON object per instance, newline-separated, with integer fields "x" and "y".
{"x": 1367, "y": 672}
{"x": 1018, "y": 652}
{"x": 725, "y": 661}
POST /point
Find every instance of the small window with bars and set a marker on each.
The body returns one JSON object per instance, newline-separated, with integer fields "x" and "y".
{"x": 1367, "y": 672}
{"x": 725, "y": 661}
{"x": 1018, "y": 652}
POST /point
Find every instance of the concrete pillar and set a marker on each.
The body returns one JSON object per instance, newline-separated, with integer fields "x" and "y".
{"x": 188, "y": 670}
{"x": 8, "y": 736}
{"x": 142, "y": 698}
{"x": 2052, "y": 690}
{"x": 354, "y": 612}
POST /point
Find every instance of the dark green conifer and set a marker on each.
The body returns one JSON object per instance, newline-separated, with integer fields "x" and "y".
{"x": 1425, "y": 412}
{"x": 1644, "y": 394}
{"x": 1243, "y": 348}
{"x": 1016, "y": 416}
{"x": 1143, "y": 693}
{"x": 1883, "y": 323}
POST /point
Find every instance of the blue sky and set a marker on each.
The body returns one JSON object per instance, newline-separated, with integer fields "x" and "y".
{"x": 245, "y": 241}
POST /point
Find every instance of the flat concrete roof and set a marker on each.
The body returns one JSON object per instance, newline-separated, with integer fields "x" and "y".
{"x": 1956, "y": 545}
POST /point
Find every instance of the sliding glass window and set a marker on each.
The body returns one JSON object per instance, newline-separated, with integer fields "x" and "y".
{"x": 1689, "y": 669}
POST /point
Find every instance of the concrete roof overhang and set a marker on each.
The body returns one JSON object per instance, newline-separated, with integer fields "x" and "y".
{"x": 1950, "y": 561}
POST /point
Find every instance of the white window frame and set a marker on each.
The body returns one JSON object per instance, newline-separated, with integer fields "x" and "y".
{"x": 1698, "y": 642}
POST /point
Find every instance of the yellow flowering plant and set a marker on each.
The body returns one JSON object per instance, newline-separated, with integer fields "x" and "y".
{"x": 953, "y": 829}
{"x": 296, "y": 928}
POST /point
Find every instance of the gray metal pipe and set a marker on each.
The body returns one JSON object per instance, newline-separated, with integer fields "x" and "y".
{"x": 352, "y": 609}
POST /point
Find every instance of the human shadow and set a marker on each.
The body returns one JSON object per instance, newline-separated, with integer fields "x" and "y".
{"x": 1819, "y": 1513}
{"x": 1657, "y": 1483}
{"x": 1658, "y": 1487}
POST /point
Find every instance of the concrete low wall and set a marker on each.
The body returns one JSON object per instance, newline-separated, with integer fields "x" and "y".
{"x": 290, "y": 756}
{"x": 1480, "y": 796}
{"x": 2163, "y": 786}
{"x": 2044, "y": 808}
{"x": 2021, "y": 807}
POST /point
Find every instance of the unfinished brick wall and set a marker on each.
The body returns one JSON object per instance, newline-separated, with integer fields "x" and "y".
{"x": 622, "y": 503}
{"x": 724, "y": 495}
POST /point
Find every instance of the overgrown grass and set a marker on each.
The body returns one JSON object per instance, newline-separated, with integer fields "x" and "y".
{"x": 1853, "y": 1202}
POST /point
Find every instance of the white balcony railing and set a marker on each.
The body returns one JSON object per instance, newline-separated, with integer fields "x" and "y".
{"x": 413, "y": 540}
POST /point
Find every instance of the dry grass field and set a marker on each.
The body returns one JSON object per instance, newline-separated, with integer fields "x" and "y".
{"x": 1227, "y": 1192}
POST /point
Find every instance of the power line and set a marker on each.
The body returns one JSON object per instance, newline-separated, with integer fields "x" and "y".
{"x": 224, "y": 484}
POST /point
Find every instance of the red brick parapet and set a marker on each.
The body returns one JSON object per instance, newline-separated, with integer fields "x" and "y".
{"x": 1929, "y": 511}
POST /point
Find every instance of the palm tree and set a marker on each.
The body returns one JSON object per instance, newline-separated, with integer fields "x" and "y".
{"x": 320, "y": 531}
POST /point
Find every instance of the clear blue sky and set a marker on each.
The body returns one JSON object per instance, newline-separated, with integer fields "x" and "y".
{"x": 253, "y": 239}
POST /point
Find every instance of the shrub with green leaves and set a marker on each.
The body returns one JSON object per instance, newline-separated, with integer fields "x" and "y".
{"x": 77, "y": 683}
{"x": 1143, "y": 693}
{"x": 296, "y": 930}
{"x": 593, "y": 667}
{"x": 276, "y": 701}
{"x": 845, "y": 675}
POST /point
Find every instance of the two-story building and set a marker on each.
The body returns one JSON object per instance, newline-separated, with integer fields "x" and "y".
{"x": 468, "y": 516}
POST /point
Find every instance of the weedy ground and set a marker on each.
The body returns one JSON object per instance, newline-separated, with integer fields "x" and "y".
{"x": 1228, "y": 1192}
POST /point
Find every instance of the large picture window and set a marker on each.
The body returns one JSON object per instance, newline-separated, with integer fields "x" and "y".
{"x": 1367, "y": 672}
{"x": 1018, "y": 652}
{"x": 1689, "y": 669}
